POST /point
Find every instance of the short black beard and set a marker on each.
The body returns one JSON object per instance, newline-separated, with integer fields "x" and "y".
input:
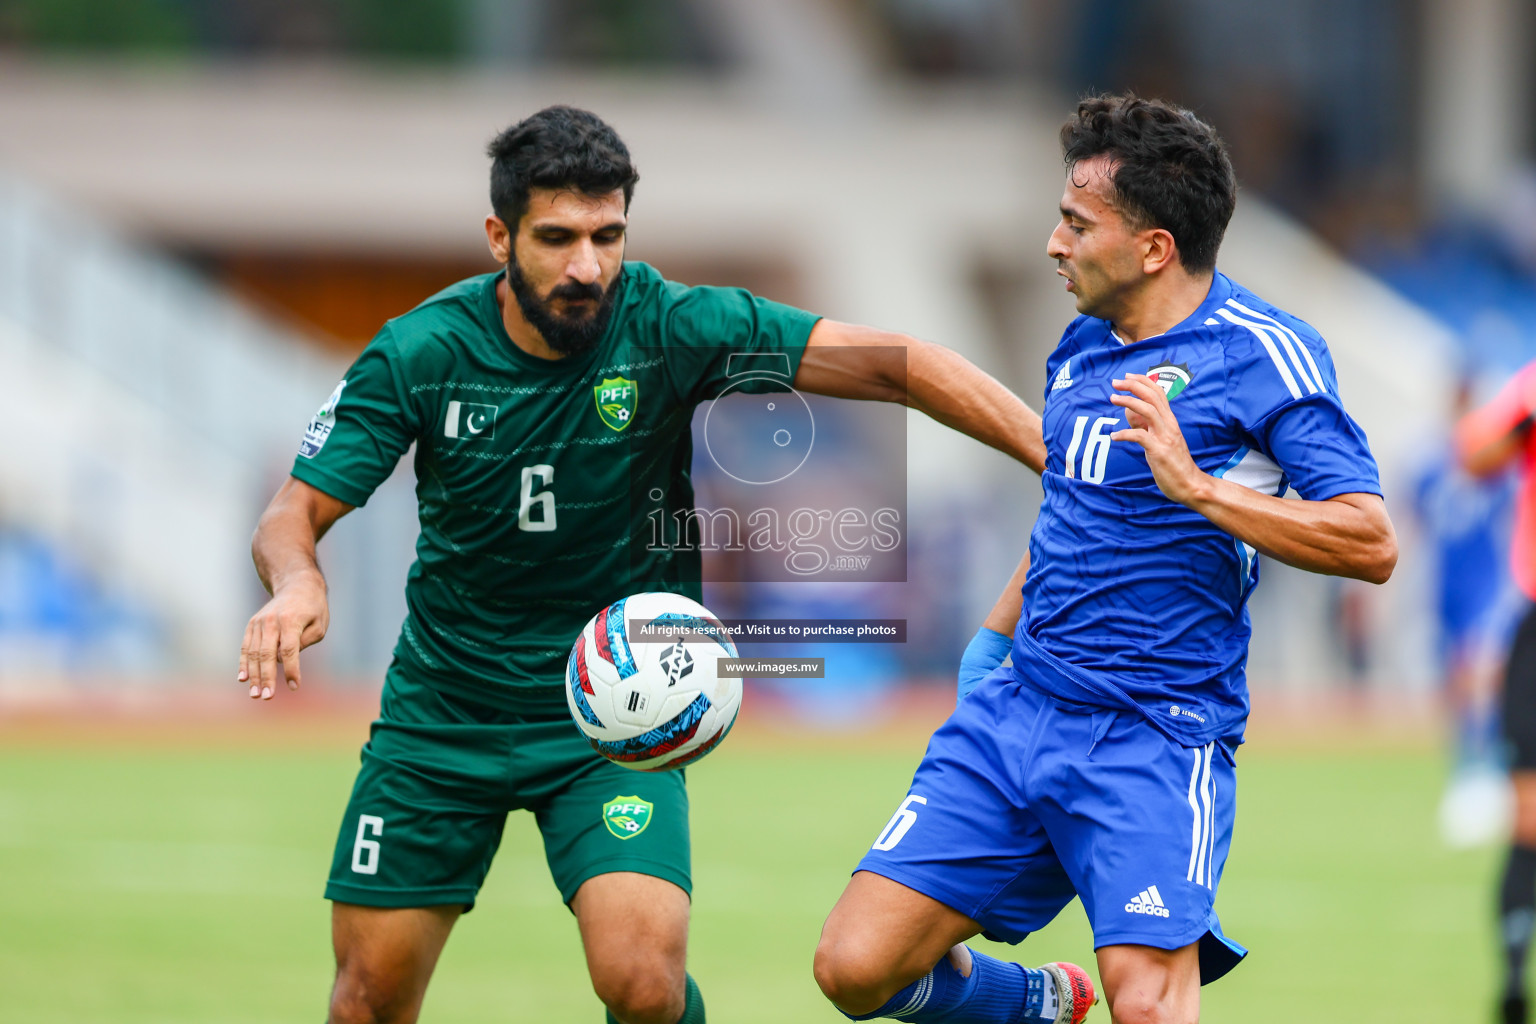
{"x": 570, "y": 336}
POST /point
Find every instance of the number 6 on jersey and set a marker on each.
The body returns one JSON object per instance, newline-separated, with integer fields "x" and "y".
{"x": 544, "y": 500}
{"x": 900, "y": 822}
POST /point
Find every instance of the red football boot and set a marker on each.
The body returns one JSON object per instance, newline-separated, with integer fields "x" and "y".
{"x": 1074, "y": 992}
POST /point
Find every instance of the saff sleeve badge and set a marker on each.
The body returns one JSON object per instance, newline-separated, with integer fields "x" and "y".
{"x": 616, "y": 398}
{"x": 321, "y": 425}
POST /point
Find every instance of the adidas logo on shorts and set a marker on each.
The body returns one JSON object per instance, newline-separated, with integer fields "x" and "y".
{"x": 1149, "y": 902}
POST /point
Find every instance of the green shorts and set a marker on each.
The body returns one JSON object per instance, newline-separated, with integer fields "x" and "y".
{"x": 440, "y": 774}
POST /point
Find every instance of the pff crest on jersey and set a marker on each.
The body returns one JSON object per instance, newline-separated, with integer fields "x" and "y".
{"x": 627, "y": 816}
{"x": 616, "y": 399}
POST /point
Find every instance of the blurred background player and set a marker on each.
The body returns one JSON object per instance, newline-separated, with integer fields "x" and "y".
{"x": 1488, "y": 441}
{"x": 1467, "y": 519}
{"x": 550, "y": 407}
{"x": 1102, "y": 764}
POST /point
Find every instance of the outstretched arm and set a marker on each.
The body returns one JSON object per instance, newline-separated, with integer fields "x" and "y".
{"x": 1347, "y": 535}
{"x": 298, "y": 613}
{"x": 1488, "y": 438}
{"x": 849, "y": 361}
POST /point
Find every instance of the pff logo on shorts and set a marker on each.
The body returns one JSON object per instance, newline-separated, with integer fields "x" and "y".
{"x": 627, "y": 816}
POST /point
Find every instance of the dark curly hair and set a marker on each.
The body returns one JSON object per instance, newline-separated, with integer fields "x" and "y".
{"x": 561, "y": 148}
{"x": 1171, "y": 170}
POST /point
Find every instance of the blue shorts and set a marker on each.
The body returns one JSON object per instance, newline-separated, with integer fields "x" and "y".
{"x": 1022, "y": 802}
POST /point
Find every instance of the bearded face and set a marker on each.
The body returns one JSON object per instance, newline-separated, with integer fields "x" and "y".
{"x": 571, "y": 317}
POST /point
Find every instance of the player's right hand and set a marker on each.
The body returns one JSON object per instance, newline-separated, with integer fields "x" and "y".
{"x": 296, "y": 617}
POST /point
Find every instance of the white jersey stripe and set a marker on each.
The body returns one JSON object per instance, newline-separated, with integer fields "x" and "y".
{"x": 1288, "y": 338}
{"x": 1254, "y": 470}
{"x": 1290, "y": 350}
{"x": 1204, "y": 796}
{"x": 1285, "y": 337}
{"x": 1199, "y": 819}
{"x": 1269, "y": 345}
{"x": 1249, "y": 553}
{"x": 1209, "y": 785}
{"x": 1306, "y": 352}
{"x": 1257, "y": 472}
{"x": 1285, "y": 343}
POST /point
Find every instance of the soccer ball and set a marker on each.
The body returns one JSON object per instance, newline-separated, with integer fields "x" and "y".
{"x": 653, "y": 703}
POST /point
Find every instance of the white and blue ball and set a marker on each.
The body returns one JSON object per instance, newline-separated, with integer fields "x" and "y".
{"x": 652, "y": 704}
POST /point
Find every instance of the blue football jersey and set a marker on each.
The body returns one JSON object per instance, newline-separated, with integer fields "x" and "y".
{"x": 1468, "y": 522}
{"x": 1133, "y": 600}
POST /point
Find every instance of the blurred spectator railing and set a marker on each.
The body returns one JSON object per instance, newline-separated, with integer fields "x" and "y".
{"x": 148, "y": 414}
{"x": 153, "y": 328}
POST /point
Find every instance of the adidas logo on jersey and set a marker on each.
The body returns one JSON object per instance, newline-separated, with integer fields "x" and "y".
{"x": 1063, "y": 377}
{"x": 1149, "y": 902}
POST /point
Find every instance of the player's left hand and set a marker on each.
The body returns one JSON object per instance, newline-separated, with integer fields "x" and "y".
{"x": 987, "y": 650}
{"x": 1153, "y": 425}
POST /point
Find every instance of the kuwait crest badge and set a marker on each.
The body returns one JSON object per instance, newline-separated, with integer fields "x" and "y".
{"x": 1171, "y": 377}
{"x": 616, "y": 398}
{"x": 627, "y": 816}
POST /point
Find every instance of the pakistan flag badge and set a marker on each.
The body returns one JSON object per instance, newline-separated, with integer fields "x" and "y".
{"x": 616, "y": 398}
{"x": 627, "y": 816}
{"x": 1171, "y": 377}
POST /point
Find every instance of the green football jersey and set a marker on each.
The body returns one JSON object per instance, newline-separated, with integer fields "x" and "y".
{"x": 534, "y": 477}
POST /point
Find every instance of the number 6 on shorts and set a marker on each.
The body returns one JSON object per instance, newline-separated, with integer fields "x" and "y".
{"x": 902, "y": 820}
{"x": 365, "y": 855}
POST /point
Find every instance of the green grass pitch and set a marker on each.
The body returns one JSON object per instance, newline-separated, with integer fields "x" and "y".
{"x": 181, "y": 883}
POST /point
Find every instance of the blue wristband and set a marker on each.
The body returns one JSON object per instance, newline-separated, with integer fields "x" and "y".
{"x": 984, "y": 653}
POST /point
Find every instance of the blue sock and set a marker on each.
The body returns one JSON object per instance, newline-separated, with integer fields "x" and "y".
{"x": 938, "y": 991}
{"x": 997, "y": 992}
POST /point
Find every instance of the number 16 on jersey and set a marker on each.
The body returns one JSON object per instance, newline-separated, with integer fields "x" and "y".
{"x": 1096, "y": 453}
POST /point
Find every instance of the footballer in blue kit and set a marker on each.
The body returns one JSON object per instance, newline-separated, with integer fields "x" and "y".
{"x": 1101, "y": 763}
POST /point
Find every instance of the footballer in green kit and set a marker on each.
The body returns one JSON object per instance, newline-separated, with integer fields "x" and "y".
{"x": 547, "y": 404}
